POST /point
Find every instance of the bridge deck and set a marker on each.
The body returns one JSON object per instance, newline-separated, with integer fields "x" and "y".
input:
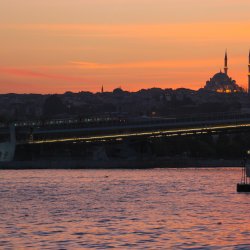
{"x": 119, "y": 129}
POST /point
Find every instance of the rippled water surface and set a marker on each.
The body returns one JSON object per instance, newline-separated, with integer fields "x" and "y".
{"x": 123, "y": 209}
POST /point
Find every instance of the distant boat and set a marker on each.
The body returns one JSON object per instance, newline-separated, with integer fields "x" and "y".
{"x": 244, "y": 185}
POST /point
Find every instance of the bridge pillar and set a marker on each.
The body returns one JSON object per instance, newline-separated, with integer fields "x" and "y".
{"x": 7, "y": 149}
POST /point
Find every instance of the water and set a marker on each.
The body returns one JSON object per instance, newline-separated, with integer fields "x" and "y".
{"x": 123, "y": 209}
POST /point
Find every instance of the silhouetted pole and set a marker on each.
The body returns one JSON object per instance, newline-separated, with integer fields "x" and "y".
{"x": 225, "y": 63}
{"x": 249, "y": 73}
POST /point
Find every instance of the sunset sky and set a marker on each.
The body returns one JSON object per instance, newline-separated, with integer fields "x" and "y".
{"x": 53, "y": 46}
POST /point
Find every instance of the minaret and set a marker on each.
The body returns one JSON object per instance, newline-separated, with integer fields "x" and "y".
{"x": 225, "y": 64}
{"x": 249, "y": 73}
{"x": 102, "y": 89}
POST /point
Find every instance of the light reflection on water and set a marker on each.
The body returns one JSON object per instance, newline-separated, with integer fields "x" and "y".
{"x": 123, "y": 209}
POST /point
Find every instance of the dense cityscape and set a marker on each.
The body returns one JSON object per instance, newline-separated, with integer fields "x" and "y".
{"x": 150, "y": 102}
{"x": 219, "y": 94}
{"x": 221, "y": 97}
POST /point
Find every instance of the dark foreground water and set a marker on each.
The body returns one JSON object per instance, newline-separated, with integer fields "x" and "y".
{"x": 123, "y": 209}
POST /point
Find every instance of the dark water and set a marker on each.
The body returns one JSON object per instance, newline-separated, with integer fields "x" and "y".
{"x": 123, "y": 209}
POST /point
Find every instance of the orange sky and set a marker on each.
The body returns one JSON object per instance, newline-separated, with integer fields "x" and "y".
{"x": 79, "y": 45}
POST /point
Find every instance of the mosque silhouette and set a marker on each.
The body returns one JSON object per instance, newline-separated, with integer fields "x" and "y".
{"x": 221, "y": 82}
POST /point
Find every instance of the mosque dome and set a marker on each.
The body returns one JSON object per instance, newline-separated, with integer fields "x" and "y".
{"x": 220, "y": 77}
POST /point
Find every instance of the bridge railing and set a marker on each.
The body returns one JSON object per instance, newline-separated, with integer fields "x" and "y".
{"x": 122, "y": 121}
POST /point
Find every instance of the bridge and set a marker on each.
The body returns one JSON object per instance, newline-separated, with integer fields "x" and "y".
{"x": 110, "y": 129}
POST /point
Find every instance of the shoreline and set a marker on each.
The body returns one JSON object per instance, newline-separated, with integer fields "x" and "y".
{"x": 164, "y": 162}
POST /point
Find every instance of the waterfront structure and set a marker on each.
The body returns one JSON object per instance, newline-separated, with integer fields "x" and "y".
{"x": 244, "y": 185}
{"x": 7, "y": 149}
{"x": 221, "y": 82}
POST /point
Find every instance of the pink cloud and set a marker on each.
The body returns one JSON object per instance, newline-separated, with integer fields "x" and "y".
{"x": 28, "y": 73}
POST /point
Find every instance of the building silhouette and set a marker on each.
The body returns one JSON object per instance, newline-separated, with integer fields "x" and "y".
{"x": 222, "y": 83}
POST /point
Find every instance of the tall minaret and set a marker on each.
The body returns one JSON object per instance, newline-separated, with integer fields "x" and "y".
{"x": 249, "y": 73}
{"x": 225, "y": 64}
